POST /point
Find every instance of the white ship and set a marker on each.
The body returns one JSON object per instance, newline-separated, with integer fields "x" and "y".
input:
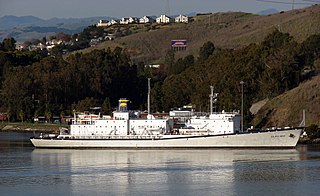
{"x": 125, "y": 130}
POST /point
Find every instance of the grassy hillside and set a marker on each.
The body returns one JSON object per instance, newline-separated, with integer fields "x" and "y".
{"x": 286, "y": 109}
{"x": 225, "y": 30}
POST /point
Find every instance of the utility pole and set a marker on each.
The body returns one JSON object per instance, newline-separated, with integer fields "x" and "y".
{"x": 292, "y": 4}
{"x": 167, "y": 8}
{"x": 242, "y": 105}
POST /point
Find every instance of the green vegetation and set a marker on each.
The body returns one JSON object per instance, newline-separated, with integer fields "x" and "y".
{"x": 313, "y": 131}
{"x": 38, "y": 85}
{"x": 36, "y": 127}
{"x": 277, "y": 67}
{"x": 54, "y": 86}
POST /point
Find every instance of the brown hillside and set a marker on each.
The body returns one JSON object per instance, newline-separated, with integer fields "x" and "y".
{"x": 225, "y": 30}
{"x": 286, "y": 109}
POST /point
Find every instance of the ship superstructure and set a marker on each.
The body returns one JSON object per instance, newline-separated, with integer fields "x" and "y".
{"x": 122, "y": 122}
{"x": 126, "y": 129}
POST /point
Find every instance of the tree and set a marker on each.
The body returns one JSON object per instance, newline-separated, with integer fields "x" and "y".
{"x": 169, "y": 59}
{"x": 63, "y": 36}
{"x": 188, "y": 61}
{"x": 16, "y": 89}
{"x": 181, "y": 65}
{"x": 48, "y": 115}
{"x": 313, "y": 131}
{"x": 106, "y": 106}
{"x": 8, "y": 44}
{"x": 277, "y": 39}
{"x": 44, "y": 40}
{"x": 310, "y": 50}
{"x": 157, "y": 97}
{"x": 206, "y": 50}
{"x": 282, "y": 65}
{"x": 86, "y": 104}
{"x": 177, "y": 90}
{"x": 21, "y": 115}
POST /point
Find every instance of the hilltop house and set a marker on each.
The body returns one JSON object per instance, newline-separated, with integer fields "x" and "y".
{"x": 163, "y": 19}
{"x": 146, "y": 19}
{"x": 128, "y": 20}
{"x": 102, "y": 23}
{"x": 112, "y": 22}
{"x": 181, "y": 19}
{"x": 106, "y": 23}
{"x": 110, "y": 36}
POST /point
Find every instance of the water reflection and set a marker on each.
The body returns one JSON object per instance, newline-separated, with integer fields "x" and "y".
{"x": 25, "y": 170}
{"x": 170, "y": 171}
{"x": 14, "y": 139}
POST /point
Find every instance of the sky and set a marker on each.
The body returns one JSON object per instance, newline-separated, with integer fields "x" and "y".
{"x": 47, "y": 9}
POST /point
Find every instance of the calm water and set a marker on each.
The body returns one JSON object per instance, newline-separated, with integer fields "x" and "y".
{"x": 28, "y": 171}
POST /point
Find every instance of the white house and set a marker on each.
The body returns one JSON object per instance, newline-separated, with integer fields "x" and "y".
{"x": 146, "y": 19}
{"x": 181, "y": 18}
{"x": 163, "y": 19}
{"x": 128, "y": 20}
{"x": 110, "y": 36}
{"x": 103, "y": 23}
{"x": 112, "y": 22}
{"x": 153, "y": 66}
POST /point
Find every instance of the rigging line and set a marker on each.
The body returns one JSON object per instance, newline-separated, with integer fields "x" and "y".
{"x": 314, "y": 1}
{"x": 285, "y": 2}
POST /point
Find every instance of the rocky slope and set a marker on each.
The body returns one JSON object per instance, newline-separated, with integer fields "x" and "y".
{"x": 286, "y": 109}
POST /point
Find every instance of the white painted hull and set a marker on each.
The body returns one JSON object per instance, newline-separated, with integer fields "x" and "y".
{"x": 273, "y": 139}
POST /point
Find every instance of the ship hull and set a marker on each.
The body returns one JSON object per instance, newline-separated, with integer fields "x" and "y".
{"x": 265, "y": 139}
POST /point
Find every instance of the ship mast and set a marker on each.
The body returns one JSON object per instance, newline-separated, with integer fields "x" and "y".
{"x": 211, "y": 99}
{"x": 149, "y": 116}
{"x": 148, "y": 96}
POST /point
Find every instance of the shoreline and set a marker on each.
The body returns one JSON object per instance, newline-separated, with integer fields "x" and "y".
{"x": 309, "y": 141}
{"x": 29, "y": 127}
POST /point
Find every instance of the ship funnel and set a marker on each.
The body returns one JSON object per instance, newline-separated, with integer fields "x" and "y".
{"x": 123, "y": 105}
